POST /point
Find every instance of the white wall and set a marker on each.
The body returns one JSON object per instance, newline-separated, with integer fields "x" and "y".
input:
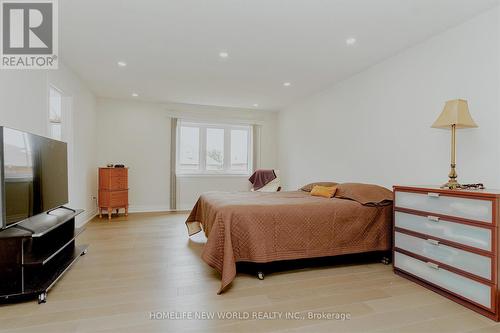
{"x": 375, "y": 126}
{"x": 24, "y": 106}
{"x": 137, "y": 134}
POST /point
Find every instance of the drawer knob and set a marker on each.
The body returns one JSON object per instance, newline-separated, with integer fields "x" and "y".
{"x": 433, "y": 218}
{"x": 433, "y": 242}
{"x": 432, "y": 265}
{"x": 433, "y": 195}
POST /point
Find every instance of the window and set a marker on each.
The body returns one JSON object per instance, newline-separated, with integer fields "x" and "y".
{"x": 213, "y": 148}
{"x": 239, "y": 149}
{"x": 55, "y": 113}
{"x": 189, "y": 157}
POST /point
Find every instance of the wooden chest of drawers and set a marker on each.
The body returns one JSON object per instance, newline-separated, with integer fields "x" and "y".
{"x": 447, "y": 241}
{"x": 113, "y": 190}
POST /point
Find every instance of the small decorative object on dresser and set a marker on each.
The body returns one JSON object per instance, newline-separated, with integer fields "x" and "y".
{"x": 113, "y": 190}
{"x": 447, "y": 241}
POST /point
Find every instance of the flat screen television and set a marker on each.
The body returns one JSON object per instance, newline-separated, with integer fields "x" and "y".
{"x": 34, "y": 175}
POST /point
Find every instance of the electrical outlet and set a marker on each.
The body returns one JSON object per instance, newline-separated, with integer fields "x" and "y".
{"x": 94, "y": 200}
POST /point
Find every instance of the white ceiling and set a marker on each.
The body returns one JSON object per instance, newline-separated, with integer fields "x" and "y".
{"x": 172, "y": 46}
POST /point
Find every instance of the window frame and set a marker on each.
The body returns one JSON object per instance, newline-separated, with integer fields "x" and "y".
{"x": 202, "y": 149}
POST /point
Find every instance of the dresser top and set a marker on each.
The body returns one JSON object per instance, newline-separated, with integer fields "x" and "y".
{"x": 487, "y": 192}
{"x": 113, "y": 168}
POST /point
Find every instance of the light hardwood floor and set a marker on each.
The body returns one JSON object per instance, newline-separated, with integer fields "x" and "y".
{"x": 147, "y": 263}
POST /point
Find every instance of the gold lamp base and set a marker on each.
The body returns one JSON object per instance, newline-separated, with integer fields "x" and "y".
{"x": 452, "y": 183}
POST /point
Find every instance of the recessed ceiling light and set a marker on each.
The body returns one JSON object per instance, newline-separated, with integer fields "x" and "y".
{"x": 135, "y": 95}
{"x": 287, "y": 84}
{"x": 122, "y": 63}
{"x": 223, "y": 54}
{"x": 256, "y": 105}
{"x": 350, "y": 41}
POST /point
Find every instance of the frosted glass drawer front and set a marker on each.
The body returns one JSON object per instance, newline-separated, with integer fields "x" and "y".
{"x": 466, "y": 261}
{"x": 473, "y": 209}
{"x": 460, "y": 233}
{"x": 470, "y": 289}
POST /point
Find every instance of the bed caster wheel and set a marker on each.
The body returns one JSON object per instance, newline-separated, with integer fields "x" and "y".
{"x": 260, "y": 275}
{"x": 386, "y": 260}
{"x": 42, "y": 298}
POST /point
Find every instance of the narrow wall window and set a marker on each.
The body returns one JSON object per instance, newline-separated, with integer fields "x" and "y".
{"x": 55, "y": 113}
{"x": 60, "y": 126}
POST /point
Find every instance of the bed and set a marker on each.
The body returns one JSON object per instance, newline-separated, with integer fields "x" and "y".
{"x": 262, "y": 227}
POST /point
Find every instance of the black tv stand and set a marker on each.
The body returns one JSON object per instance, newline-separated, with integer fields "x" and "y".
{"x": 23, "y": 228}
{"x": 35, "y": 254}
{"x": 62, "y": 207}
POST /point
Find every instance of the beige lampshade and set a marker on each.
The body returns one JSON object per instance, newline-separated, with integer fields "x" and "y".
{"x": 455, "y": 112}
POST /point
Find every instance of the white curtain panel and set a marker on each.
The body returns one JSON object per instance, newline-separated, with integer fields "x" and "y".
{"x": 256, "y": 132}
{"x": 173, "y": 163}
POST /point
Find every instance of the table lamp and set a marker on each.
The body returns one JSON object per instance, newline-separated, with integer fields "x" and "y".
{"x": 455, "y": 115}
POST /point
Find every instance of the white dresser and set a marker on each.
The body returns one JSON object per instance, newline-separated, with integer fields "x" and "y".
{"x": 447, "y": 241}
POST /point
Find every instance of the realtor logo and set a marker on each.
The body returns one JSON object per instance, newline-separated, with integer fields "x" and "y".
{"x": 29, "y": 34}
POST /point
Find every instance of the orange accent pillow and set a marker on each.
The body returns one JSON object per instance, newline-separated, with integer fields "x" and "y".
{"x": 323, "y": 191}
{"x": 309, "y": 187}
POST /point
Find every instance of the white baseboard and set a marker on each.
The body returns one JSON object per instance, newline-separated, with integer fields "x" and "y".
{"x": 184, "y": 208}
{"x": 85, "y": 218}
{"x": 149, "y": 208}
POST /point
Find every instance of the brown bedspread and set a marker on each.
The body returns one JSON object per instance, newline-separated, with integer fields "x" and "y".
{"x": 264, "y": 227}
